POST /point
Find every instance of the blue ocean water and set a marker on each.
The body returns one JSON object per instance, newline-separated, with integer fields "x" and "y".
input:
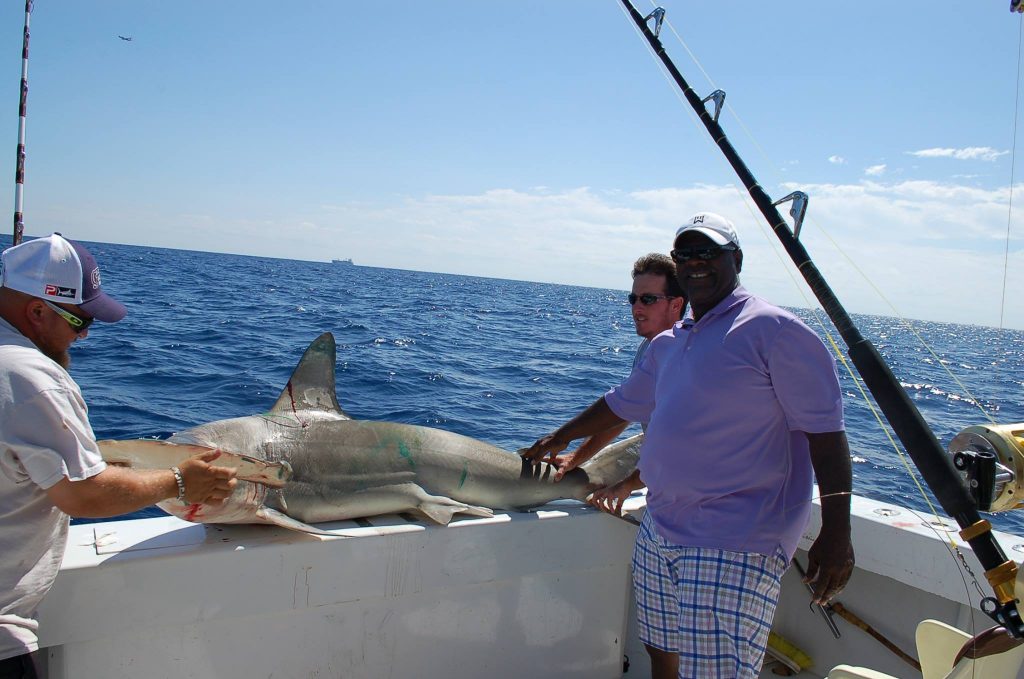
{"x": 212, "y": 336}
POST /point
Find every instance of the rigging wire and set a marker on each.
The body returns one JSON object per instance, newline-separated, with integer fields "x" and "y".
{"x": 1013, "y": 163}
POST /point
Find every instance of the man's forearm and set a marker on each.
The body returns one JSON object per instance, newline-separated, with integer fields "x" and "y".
{"x": 114, "y": 491}
{"x": 596, "y": 442}
{"x": 830, "y": 457}
{"x": 598, "y": 417}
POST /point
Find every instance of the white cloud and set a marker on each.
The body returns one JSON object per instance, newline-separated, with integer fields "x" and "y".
{"x": 934, "y": 249}
{"x": 985, "y": 153}
{"x": 837, "y": 160}
{"x": 875, "y": 170}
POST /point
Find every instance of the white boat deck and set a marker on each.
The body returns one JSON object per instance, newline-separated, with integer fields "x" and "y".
{"x": 544, "y": 594}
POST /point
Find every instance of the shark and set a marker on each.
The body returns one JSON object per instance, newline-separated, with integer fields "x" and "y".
{"x": 305, "y": 461}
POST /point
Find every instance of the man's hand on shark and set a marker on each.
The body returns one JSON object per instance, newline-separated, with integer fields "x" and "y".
{"x": 206, "y": 483}
{"x": 565, "y": 463}
{"x": 545, "y": 449}
{"x": 610, "y": 499}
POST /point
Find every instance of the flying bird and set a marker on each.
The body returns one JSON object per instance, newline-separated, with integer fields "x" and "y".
{"x": 128, "y": 39}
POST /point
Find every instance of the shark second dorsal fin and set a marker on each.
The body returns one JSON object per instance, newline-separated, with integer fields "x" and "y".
{"x": 311, "y": 386}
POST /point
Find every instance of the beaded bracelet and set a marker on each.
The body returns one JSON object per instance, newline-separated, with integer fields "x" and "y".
{"x": 180, "y": 480}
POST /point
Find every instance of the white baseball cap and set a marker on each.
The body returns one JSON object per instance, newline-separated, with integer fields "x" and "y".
{"x": 716, "y": 227}
{"x": 59, "y": 270}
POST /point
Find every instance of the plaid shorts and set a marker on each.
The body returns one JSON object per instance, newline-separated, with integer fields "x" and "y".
{"x": 711, "y": 606}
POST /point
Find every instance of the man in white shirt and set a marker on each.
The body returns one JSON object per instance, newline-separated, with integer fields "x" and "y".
{"x": 50, "y": 465}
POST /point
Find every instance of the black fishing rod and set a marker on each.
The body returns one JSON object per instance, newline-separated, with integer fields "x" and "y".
{"x": 917, "y": 437}
{"x": 19, "y": 172}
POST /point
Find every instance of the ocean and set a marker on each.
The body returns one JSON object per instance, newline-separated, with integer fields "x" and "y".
{"x": 211, "y": 336}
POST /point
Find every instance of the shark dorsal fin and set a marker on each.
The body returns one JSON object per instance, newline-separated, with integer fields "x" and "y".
{"x": 311, "y": 386}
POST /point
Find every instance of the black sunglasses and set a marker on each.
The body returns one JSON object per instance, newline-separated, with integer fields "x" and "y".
{"x": 647, "y": 300}
{"x": 705, "y": 253}
{"x": 77, "y": 323}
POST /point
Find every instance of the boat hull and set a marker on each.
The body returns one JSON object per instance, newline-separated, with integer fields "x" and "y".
{"x": 540, "y": 594}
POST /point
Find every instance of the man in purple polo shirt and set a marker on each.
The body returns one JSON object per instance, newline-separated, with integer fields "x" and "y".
{"x": 744, "y": 405}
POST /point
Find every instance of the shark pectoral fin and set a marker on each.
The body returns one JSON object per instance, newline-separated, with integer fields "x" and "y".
{"x": 268, "y": 515}
{"x": 441, "y": 509}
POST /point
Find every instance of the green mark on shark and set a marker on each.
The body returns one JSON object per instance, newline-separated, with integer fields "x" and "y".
{"x": 404, "y": 451}
{"x": 465, "y": 473}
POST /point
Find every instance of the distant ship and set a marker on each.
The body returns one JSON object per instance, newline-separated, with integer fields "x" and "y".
{"x": 345, "y": 262}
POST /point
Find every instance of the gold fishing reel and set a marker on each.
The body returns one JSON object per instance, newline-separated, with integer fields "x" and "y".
{"x": 990, "y": 458}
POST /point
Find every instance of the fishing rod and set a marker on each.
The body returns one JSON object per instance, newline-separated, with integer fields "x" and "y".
{"x": 19, "y": 173}
{"x": 917, "y": 437}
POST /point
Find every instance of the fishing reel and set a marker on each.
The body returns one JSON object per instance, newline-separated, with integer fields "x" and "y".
{"x": 990, "y": 459}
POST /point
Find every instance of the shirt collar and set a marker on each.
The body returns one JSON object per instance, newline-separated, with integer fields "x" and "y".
{"x": 738, "y": 295}
{"x": 11, "y": 335}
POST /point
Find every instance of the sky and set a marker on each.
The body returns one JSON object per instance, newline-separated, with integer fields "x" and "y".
{"x": 536, "y": 139}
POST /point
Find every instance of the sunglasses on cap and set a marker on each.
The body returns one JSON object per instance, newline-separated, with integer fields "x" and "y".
{"x": 646, "y": 300}
{"x": 77, "y": 323}
{"x": 705, "y": 253}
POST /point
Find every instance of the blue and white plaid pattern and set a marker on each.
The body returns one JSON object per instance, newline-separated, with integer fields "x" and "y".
{"x": 711, "y": 606}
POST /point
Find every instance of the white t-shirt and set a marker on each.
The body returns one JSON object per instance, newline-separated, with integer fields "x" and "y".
{"x": 45, "y": 436}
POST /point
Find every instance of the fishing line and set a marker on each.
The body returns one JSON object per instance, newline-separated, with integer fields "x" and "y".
{"x": 953, "y": 549}
{"x": 948, "y": 538}
{"x": 1013, "y": 163}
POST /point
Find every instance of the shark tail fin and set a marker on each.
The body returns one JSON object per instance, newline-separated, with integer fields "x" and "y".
{"x": 613, "y": 463}
{"x": 312, "y": 385}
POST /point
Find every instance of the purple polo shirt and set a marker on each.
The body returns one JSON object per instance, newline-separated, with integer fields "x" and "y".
{"x": 725, "y": 459}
